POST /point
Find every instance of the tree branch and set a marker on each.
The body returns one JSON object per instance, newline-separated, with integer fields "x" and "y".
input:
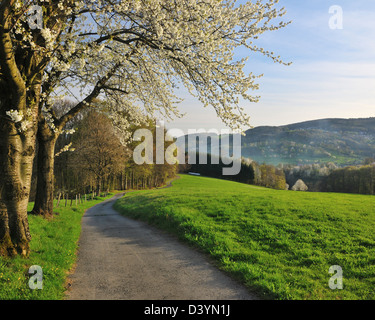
{"x": 89, "y": 99}
{"x": 10, "y": 72}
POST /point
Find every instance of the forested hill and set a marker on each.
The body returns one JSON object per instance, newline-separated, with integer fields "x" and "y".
{"x": 342, "y": 141}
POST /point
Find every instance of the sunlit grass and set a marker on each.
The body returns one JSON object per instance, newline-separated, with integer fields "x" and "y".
{"x": 53, "y": 247}
{"x": 280, "y": 244}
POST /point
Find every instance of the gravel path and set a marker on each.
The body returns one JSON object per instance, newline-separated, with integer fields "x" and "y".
{"x": 124, "y": 259}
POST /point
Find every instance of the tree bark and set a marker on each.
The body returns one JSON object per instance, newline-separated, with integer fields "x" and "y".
{"x": 45, "y": 171}
{"x": 20, "y": 90}
{"x": 16, "y": 157}
{"x": 99, "y": 184}
{"x": 6, "y": 246}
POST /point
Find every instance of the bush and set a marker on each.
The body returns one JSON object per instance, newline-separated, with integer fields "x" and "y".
{"x": 300, "y": 186}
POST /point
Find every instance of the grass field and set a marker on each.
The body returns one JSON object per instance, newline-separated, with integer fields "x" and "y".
{"x": 281, "y": 244}
{"x": 53, "y": 247}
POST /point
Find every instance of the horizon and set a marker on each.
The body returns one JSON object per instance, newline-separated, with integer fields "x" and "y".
{"x": 170, "y": 130}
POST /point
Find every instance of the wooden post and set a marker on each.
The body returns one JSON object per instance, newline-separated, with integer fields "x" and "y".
{"x": 58, "y": 200}
{"x": 76, "y": 200}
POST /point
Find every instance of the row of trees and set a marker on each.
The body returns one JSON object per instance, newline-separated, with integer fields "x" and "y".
{"x": 99, "y": 161}
{"x": 251, "y": 172}
{"x": 213, "y": 167}
{"x": 313, "y": 175}
{"x": 352, "y": 179}
{"x": 327, "y": 177}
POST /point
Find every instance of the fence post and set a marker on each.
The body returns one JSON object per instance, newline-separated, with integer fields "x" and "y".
{"x": 58, "y": 200}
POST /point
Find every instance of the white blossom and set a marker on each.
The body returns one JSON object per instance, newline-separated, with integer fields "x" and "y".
{"x": 15, "y": 115}
{"x": 69, "y": 131}
{"x": 65, "y": 149}
{"x": 136, "y": 52}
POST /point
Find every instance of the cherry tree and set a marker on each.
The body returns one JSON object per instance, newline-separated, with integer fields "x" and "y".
{"x": 23, "y": 61}
{"x": 130, "y": 53}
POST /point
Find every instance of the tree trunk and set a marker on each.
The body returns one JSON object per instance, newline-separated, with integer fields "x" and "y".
{"x": 6, "y": 246}
{"x": 99, "y": 184}
{"x": 45, "y": 172}
{"x": 16, "y": 158}
{"x": 126, "y": 182}
{"x": 20, "y": 89}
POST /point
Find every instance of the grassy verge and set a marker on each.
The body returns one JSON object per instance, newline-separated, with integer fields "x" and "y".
{"x": 280, "y": 244}
{"x": 53, "y": 247}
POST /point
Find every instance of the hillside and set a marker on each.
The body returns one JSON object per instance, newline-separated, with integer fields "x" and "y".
{"x": 342, "y": 141}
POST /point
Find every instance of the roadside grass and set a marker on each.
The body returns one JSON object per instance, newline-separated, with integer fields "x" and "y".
{"x": 53, "y": 247}
{"x": 280, "y": 244}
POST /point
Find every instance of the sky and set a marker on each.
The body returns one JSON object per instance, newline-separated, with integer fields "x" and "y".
{"x": 332, "y": 73}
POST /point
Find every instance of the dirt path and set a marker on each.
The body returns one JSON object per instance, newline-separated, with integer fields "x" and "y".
{"x": 120, "y": 258}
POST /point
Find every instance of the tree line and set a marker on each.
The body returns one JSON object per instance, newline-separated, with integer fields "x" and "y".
{"x": 251, "y": 172}
{"x": 328, "y": 177}
{"x": 325, "y": 177}
{"x": 96, "y": 160}
{"x": 352, "y": 179}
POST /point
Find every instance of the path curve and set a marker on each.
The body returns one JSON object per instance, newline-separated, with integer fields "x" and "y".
{"x": 123, "y": 259}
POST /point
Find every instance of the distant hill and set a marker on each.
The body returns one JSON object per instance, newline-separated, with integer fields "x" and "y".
{"x": 342, "y": 141}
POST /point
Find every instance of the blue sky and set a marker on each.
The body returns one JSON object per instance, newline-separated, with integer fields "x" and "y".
{"x": 332, "y": 75}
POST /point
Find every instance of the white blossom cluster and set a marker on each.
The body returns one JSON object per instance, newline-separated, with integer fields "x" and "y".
{"x": 69, "y": 131}
{"x": 19, "y": 118}
{"x": 134, "y": 53}
{"x": 15, "y": 115}
{"x": 66, "y": 148}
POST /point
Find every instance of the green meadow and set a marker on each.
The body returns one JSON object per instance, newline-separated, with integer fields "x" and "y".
{"x": 53, "y": 247}
{"x": 280, "y": 244}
